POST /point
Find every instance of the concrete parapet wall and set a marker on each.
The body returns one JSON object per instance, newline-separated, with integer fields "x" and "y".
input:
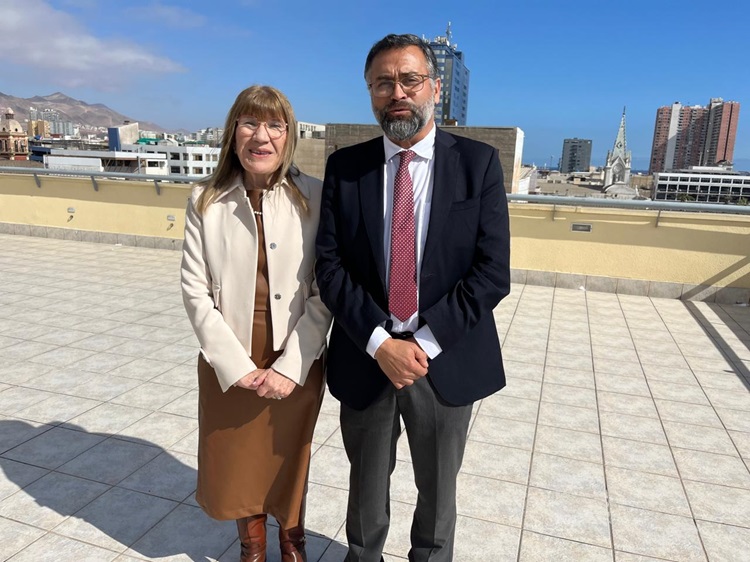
{"x": 684, "y": 248}
{"x": 673, "y": 254}
{"x": 119, "y": 207}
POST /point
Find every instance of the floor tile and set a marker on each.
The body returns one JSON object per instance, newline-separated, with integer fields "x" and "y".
{"x": 108, "y": 418}
{"x": 542, "y": 548}
{"x": 56, "y": 409}
{"x": 711, "y": 440}
{"x": 677, "y": 539}
{"x": 495, "y": 461}
{"x": 724, "y": 542}
{"x": 693, "y": 414}
{"x": 719, "y": 504}
{"x": 60, "y": 357}
{"x": 50, "y": 500}
{"x": 568, "y": 517}
{"x": 635, "y": 428}
{"x": 490, "y": 500}
{"x": 159, "y": 429}
{"x": 510, "y": 407}
{"x": 170, "y": 475}
{"x": 149, "y": 396}
{"x": 330, "y": 513}
{"x": 626, "y": 404}
{"x": 569, "y": 417}
{"x": 647, "y": 491}
{"x": 639, "y": 456}
{"x": 568, "y": 376}
{"x": 188, "y": 532}
{"x": 65, "y": 549}
{"x": 15, "y": 399}
{"x": 570, "y": 476}
{"x": 568, "y": 443}
{"x": 15, "y": 475}
{"x": 111, "y": 461}
{"x": 569, "y": 395}
{"x": 712, "y": 468}
{"x": 729, "y": 399}
{"x": 116, "y": 519}
{"x": 501, "y": 540}
{"x": 514, "y": 433}
{"x": 14, "y": 432}
{"x": 741, "y": 441}
{"x": 53, "y": 448}
{"x": 15, "y": 536}
{"x": 689, "y": 393}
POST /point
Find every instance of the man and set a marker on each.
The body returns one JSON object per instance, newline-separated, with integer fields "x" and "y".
{"x": 413, "y": 255}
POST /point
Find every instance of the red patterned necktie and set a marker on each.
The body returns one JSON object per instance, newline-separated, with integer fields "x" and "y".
{"x": 402, "y": 287}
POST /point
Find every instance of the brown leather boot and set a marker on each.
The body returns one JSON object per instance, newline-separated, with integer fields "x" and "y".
{"x": 252, "y": 532}
{"x": 292, "y": 543}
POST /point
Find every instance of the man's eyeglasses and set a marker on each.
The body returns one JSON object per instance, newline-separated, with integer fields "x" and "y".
{"x": 276, "y": 128}
{"x": 410, "y": 84}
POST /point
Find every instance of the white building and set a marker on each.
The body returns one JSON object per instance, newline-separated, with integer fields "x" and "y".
{"x": 194, "y": 160}
{"x": 710, "y": 184}
{"x": 106, "y": 160}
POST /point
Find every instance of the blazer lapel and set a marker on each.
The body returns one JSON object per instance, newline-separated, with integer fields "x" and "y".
{"x": 371, "y": 200}
{"x": 443, "y": 191}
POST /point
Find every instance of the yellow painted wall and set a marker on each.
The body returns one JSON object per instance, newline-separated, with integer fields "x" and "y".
{"x": 692, "y": 248}
{"x": 126, "y": 207}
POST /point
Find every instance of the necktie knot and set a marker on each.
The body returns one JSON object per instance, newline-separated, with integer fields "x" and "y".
{"x": 406, "y": 157}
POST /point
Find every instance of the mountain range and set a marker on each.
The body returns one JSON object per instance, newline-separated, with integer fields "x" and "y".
{"x": 85, "y": 115}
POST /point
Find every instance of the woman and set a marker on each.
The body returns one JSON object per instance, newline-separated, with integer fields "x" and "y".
{"x": 248, "y": 288}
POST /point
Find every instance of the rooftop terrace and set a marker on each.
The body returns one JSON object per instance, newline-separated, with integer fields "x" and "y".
{"x": 623, "y": 434}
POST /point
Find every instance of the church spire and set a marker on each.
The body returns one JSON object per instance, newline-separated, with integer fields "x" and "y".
{"x": 620, "y": 142}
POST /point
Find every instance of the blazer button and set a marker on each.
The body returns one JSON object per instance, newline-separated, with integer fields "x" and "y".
{"x": 273, "y": 245}
{"x": 277, "y": 296}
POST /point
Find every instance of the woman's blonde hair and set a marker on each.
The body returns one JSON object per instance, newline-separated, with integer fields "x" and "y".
{"x": 263, "y": 103}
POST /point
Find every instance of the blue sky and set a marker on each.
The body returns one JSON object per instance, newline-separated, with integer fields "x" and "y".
{"x": 555, "y": 69}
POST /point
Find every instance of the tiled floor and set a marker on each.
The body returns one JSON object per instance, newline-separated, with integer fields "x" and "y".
{"x": 623, "y": 434}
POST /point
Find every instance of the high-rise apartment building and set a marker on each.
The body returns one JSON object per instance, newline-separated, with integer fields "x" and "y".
{"x": 576, "y": 155}
{"x": 694, "y": 135}
{"x": 454, "y": 76}
{"x": 721, "y": 131}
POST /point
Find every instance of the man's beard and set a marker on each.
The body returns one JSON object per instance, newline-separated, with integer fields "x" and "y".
{"x": 400, "y": 129}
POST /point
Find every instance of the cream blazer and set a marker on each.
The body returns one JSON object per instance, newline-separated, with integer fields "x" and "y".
{"x": 219, "y": 264}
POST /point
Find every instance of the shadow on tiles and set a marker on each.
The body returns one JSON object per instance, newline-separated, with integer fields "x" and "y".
{"x": 116, "y": 492}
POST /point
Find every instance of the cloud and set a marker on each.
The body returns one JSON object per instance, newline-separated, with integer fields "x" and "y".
{"x": 163, "y": 14}
{"x": 70, "y": 55}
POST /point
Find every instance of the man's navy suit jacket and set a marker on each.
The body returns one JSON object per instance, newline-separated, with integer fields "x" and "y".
{"x": 465, "y": 269}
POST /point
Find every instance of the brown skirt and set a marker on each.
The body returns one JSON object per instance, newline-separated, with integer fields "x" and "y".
{"x": 254, "y": 453}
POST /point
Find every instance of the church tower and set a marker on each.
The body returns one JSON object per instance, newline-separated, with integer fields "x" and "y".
{"x": 617, "y": 168}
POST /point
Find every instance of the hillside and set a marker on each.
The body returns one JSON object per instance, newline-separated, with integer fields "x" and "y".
{"x": 85, "y": 115}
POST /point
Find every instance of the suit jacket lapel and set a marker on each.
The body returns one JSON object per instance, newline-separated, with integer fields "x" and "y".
{"x": 443, "y": 191}
{"x": 371, "y": 199}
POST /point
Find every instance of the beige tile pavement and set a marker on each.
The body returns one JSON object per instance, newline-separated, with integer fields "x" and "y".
{"x": 623, "y": 434}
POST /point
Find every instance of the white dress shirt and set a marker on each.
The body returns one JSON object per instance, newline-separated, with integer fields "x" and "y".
{"x": 421, "y": 170}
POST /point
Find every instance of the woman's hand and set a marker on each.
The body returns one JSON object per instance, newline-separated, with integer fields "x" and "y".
{"x": 252, "y": 380}
{"x": 275, "y": 385}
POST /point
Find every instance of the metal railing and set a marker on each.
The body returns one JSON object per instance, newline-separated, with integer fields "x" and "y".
{"x": 647, "y": 204}
{"x": 36, "y": 172}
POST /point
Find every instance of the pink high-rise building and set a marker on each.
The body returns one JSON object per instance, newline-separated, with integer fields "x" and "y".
{"x": 694, "y": 135}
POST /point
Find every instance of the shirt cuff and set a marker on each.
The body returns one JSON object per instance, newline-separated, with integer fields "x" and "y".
{"x": 379, "y": 335}
{"x": 426, "y": 340}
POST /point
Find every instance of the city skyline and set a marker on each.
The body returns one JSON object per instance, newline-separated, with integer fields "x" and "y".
{"x": 181, "y": 67}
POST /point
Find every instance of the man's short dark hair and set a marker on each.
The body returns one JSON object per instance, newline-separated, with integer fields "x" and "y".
{"x": 393, "y": 41}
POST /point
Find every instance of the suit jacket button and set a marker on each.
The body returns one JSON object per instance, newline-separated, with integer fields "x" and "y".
{"x": 273, "y": 245}
{"x": 277, "y": 296}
